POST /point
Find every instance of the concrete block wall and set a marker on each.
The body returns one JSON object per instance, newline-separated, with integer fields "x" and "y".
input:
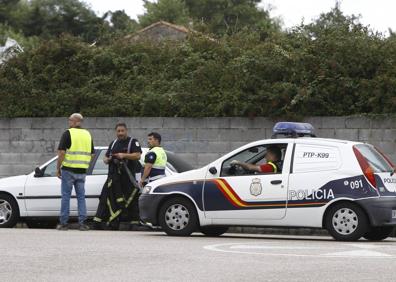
{"x": 27, "y": 142}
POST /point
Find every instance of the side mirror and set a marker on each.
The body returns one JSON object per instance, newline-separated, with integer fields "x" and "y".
{"x": 213, "y": 170}
{"x": 38, "y": 172}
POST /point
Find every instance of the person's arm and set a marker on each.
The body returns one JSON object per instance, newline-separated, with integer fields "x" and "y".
{"x": 134, "y": 154}
{"x": 92, "y": 150}
{"x": 148, "y": 165}
{"x": 131, "y": 156}
{"x": 146, "y": 172}
{"x": 64, "y": 144}
{"x": 61, "y": 158}
{"x": 246, "y": 166}
{"x": 107, "y": 157}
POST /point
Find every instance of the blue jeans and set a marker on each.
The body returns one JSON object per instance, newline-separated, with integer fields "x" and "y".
{"x": 70, "y": 179}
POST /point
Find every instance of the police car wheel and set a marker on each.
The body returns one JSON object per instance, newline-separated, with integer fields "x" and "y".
{"x": 378, "y": 233}
{"x": 346, "y": 222}
{"x": 213, "y": 231}
{"x": 9, "y": 212}
{"x": 178, "y": 217}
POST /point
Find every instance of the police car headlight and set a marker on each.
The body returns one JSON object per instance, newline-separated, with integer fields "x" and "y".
{"x": 146, "y": 189}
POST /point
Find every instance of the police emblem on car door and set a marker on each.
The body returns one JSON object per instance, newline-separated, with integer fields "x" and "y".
{"x": 255, "y": 187}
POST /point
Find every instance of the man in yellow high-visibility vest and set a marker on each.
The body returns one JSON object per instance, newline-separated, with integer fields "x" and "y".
{"x": 154, "y": 161}
{"x": 75, "y": 151}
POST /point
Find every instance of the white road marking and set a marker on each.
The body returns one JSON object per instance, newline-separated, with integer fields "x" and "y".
{"x": 336, "y": 250}
{"x": 271, "y": 247}
{"x": 358, "y": 253}
{"x": 363, "y": 246}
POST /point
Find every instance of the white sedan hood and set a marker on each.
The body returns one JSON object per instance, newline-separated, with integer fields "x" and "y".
{"x": 13, "y": 181}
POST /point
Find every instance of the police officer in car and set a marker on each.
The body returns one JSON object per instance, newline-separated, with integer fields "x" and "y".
{"x": 155, "y": 160}
{"x": 273, "y": 165}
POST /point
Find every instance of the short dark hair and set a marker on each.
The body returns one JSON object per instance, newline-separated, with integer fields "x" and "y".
{"x": 118, "y": 124}
{"x": 276, "y": 151}
{"x": 155, "y": 135}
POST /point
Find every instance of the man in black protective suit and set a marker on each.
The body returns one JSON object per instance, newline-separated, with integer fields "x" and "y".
{"x": 119, "y": 197}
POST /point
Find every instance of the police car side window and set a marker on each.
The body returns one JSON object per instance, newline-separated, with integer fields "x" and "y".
{"x": 254, "y": 155}
{"x": 244, "y": 156}
{"x": 312, "y": 158}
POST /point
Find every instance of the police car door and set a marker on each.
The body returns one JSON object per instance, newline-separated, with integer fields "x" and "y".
{"x": 234, "y": 193}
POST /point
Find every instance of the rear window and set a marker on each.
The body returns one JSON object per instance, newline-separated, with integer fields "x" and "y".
{"x": 377, "y": 162}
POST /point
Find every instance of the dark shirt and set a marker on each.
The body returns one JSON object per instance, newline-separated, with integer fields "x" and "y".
{"x": 64, "y": 144}
{"x": 121, "y": 146}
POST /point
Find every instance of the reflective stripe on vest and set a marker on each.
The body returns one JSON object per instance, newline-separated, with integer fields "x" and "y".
{"x": 79, "y": 153}
{"x": 274, "y": 166}
{"x": 160, "y": 161}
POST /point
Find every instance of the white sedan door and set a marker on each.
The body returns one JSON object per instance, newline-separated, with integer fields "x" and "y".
{"x": 43, "y": 194}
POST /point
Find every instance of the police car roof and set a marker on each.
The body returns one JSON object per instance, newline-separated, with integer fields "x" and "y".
{"x": 302, "y": 140}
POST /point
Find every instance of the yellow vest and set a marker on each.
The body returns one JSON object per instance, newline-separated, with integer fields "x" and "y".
{"x": 79, "y": 153}
{"x": 160, "y": 161}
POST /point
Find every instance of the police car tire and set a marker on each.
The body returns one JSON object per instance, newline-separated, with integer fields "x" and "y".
{"x": 11, "y": 205}
{"x": 213, "y": 231}
{"x": 361, "y": 228}
{"x": 378, "y": 233}
{"x": 186, "y": 204}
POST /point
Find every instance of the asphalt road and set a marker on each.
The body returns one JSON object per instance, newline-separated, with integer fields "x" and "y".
{"x": 51, "y": 255}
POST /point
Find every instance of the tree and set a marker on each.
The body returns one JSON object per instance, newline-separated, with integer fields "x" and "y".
{"x": 47, "y": 18}
{"x": 6, "y": 8}
{"x": 173, "y": 11}
{"x": 230, "y": 16}
{"x": 117, "y": 25}
{"x": 121, "y": 22}
{"x": 338, "y": 60}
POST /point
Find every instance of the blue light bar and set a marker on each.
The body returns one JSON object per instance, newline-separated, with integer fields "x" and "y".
{"x": 293, "y": 129}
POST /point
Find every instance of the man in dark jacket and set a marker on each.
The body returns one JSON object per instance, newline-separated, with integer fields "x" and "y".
{"x": 119, "y": 197}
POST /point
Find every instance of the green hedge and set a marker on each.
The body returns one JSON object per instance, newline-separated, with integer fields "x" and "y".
{"x": 337, "y": 69}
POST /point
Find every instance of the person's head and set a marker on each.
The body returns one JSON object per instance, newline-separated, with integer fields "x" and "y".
{"x": 154, "y": 139}
{"x": 121, "y": 130}
{"x": 273, "y": 154}
{"x": 75, "y": 120}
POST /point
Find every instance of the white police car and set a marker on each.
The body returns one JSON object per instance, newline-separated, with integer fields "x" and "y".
{"x": 347, "y": 187}
{"x": 35, "y": 198}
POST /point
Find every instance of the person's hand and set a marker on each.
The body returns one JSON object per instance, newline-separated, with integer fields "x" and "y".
{"x": 141, "y": 183}
{"x": 107, "y": 160}
{"x": 58, "y": 173}
{"x": 234, "y": 163}
{"x": 119, "y": 156}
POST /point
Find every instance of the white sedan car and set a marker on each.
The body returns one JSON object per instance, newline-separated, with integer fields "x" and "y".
{"x": 35, "y": 198}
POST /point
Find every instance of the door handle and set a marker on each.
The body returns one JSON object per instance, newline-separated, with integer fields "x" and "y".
{"x": 276, "y": 182}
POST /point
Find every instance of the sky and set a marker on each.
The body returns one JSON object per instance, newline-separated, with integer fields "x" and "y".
{"x": 378, "y": 14}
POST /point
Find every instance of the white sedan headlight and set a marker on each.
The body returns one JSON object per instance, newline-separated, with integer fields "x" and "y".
{"x": 146, "y": 189}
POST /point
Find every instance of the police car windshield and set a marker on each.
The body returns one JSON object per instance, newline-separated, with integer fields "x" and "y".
{"x": 375, "y": 159}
